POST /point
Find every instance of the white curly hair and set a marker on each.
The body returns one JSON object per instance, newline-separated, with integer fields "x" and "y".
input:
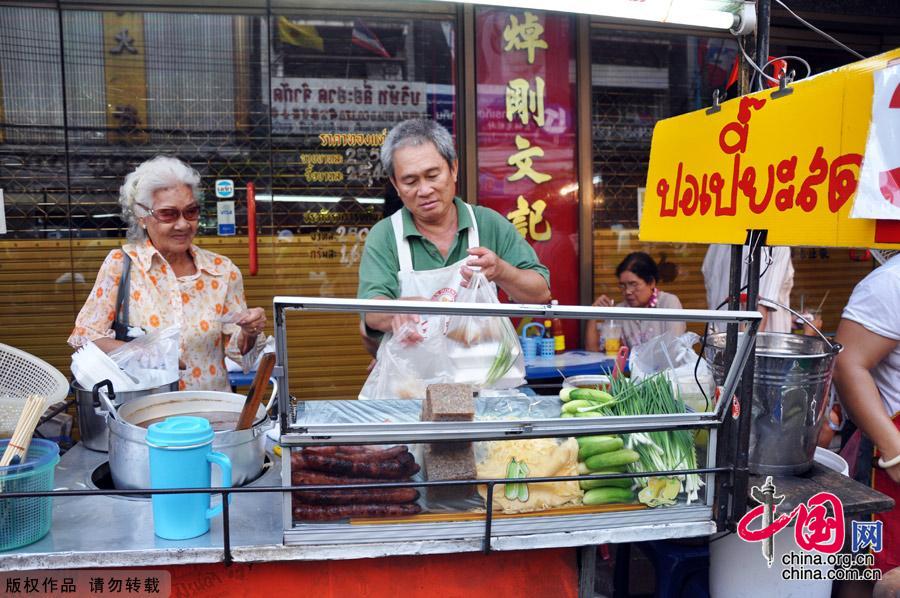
{"x": 161, "y": 172}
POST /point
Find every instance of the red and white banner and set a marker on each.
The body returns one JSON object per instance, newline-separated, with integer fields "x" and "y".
{"x": 878, "y": 195}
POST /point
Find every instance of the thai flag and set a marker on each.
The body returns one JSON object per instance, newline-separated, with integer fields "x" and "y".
{"x": 365, "y": 38}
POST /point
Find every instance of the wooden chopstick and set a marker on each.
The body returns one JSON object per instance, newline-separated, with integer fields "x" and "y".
{"x": 21, "y": 438}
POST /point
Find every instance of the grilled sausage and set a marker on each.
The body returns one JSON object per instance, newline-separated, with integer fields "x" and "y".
{"x": 334, "y": 512}
{"x": 301, "y": 477}
{"x": 357, "y": 496}
{"x": 390, "y": 469}
{"x": 368, "y": 454}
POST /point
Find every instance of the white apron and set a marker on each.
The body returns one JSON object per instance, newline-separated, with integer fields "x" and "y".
{"x": 440, "y": 284}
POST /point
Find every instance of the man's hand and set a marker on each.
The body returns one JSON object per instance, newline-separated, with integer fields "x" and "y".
{"x": 491, "y": 265}
{"x": 522, "y": 285}
{"x": 403, "y": 326}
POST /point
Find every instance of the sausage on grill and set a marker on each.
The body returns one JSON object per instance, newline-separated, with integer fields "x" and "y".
{"x": 357, "y": 496}
{"x": 334, "y": 512}
{"x": 391, "y": 469}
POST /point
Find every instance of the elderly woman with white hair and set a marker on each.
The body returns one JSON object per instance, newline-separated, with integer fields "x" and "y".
{"x": 166, "y": 280}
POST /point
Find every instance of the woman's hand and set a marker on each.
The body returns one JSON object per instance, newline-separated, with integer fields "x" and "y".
{"x": 252, "y": 322}
{"x": 604, "y": 301}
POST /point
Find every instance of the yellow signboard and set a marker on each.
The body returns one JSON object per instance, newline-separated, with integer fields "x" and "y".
{"x": 787, "y": 163}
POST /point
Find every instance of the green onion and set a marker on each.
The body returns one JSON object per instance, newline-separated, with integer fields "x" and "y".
{"x": 660, "y": 450}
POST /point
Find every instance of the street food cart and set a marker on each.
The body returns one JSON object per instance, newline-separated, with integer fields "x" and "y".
{"x": 259, "y": 525}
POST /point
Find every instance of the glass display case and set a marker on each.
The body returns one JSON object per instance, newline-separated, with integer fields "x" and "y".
{"x": 416, "y": 474}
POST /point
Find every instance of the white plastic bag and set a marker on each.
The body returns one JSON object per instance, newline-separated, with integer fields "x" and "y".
{"x": 151, "y": 358}
{"x": 484, "y": 350}
{"x": 476, "y": 350}
{"x": 675, "y": 356}
{"x": 404, "y": 370}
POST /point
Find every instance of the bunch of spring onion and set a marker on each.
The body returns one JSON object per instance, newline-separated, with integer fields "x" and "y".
{"x": 660, "y": 450}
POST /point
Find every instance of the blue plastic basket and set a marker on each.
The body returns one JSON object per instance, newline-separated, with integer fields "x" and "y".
{"x": 24, "y": 521}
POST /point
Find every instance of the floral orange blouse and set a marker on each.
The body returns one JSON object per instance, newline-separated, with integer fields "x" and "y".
{"x": 158, "y": 299}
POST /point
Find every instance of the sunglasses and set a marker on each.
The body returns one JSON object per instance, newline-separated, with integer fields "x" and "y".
{"x": 170, "y": 215}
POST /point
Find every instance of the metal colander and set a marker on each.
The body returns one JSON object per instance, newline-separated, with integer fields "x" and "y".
{"x": 21, "y": 375}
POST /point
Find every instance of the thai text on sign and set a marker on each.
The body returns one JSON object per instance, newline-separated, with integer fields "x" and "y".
{"x": 786, "y": 163}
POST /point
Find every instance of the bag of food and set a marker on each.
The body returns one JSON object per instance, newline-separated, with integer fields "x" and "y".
{"x": 484, "y": 351}
{"x": 403, "y": 370}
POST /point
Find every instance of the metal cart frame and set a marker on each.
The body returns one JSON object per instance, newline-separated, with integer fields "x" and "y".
{"x": 722, "y": 475}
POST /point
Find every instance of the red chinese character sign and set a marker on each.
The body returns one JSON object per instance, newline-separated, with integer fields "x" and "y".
{"x": 526, "y": 136}
{"x": 785, "y": 162}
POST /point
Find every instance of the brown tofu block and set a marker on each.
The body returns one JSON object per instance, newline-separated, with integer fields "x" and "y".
{"x": 450, "y": 461}
{"x": 449, "y": 403}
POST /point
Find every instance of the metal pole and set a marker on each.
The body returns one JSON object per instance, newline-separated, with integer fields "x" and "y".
{"x": 756, "y": 239}
{"x": 763, "y": 16}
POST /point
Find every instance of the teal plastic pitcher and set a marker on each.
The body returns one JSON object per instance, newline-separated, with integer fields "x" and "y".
{"x": 181, "y": 456}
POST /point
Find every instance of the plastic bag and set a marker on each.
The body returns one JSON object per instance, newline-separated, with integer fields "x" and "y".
{"x": 151, "y": 358}
{"x": 675, "y": 356}
{"x": 404, "y": 370}
{"x": 484, "y": 351}
{"x": 477, "y": 350}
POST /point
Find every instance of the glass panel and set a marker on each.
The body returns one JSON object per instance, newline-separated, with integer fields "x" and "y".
{"x": 638, "y": 79}
{"x": 35, "y": 277}
{"x": 338, "y": 84}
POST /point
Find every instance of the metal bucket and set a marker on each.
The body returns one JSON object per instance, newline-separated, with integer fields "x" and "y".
{"x": 92, "y": 415}
{"x": 791, "y": 384}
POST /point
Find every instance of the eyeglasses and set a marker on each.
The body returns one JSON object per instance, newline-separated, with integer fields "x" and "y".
{"x": 170, "y": 215}
{"x": 632, "y": 285}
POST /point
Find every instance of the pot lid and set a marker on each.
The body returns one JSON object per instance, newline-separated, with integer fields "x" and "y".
{"x": 180, "y": 431}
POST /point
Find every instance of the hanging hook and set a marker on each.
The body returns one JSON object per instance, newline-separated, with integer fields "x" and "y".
{"x": 783, "y": 82}
{"x": 715, "y": 103}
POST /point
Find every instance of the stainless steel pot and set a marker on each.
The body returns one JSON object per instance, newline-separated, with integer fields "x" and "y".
{"x": 128, "y": 454}
{"x": 92, "y": 415}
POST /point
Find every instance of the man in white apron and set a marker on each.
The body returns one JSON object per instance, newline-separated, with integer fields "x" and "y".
{"x": 426, "y": 250}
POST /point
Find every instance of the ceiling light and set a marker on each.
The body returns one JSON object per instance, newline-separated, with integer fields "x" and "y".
{"x": 317, "y": 199}
{"x": 712, "y": 14}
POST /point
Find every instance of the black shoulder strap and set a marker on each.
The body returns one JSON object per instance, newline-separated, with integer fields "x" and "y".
{"x": 120, "y": 324}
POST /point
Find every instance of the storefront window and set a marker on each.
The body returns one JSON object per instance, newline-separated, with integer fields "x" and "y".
{"x": 293, "y": 105}
{"x": 338, "y": 85}
{"x": 637, "y": 79}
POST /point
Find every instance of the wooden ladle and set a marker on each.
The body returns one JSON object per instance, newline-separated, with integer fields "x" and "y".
{"x": 254, "y": 396}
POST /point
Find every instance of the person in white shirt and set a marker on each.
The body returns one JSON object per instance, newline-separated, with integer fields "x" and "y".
{"x": 776, "y": 282}
{"x": 867, "y": 376}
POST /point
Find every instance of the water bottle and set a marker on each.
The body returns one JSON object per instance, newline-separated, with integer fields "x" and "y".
{"x": 558, "y": 335}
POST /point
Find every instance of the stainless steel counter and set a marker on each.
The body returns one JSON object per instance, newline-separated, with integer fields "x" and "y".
{"x": 104, "y": 531}
{"x": 108, "y": 531}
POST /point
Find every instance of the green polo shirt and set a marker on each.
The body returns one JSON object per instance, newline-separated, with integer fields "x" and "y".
{"x": 380, "y": 263}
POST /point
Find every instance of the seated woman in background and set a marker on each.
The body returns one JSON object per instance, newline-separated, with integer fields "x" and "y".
{"x": 171, "y": 281}
{"x": 638, "y": 276}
